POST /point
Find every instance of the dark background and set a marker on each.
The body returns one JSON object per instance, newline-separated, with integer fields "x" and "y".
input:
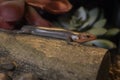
{"x": 111, "y": 8}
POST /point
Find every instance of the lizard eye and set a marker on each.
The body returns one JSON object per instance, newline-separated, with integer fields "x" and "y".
{"x": 88, "y": 36}
{"x": 74, "y": 37}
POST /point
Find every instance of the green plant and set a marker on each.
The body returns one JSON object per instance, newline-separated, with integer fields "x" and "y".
{"x": 91, "y": 21}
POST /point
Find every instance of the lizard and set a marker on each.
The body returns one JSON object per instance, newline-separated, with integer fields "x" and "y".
{"x": 57, "y": 33}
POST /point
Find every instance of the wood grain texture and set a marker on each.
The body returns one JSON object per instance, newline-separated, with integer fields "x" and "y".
{"x": 59, "y": 60}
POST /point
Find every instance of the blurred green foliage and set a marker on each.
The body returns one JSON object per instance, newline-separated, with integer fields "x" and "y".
{"x": 91, "y": 21}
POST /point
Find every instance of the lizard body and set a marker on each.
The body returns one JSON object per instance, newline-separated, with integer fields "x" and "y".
{"x": 58, "y": 33}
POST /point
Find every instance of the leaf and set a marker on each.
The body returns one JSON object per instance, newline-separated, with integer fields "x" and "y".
{"x": 81, "y": 14}
{"x": 52, "y": 6}
{"x": 33, "y": 18}
{"x": 93, "y": 14}
{"x": 112, "y": 32}
{"x": 102, "y": 43}
{"x": 12, "y": 10}
{"x": 97, "y": 31}
{"x": 74, "y": 23}
{"x": 100, "y": 23}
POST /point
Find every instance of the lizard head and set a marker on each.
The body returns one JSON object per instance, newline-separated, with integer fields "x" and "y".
{"x": 83, "y": 37}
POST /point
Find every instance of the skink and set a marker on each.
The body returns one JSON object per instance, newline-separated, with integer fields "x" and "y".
{"x": 54, "y": 33}
{"x": 57, "y": 33}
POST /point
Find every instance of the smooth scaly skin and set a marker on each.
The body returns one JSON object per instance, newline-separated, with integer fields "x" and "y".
{"x": 54, "y": 33}
{"x": 58, "y": 33}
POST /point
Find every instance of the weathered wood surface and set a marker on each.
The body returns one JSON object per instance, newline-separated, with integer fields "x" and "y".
{"x": 57, "y": 59}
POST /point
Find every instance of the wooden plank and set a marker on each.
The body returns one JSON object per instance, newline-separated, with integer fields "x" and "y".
{"x": 58, "y": 60}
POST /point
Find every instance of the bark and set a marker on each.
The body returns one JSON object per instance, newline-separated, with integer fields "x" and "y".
{"x": 55, "y": 59}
